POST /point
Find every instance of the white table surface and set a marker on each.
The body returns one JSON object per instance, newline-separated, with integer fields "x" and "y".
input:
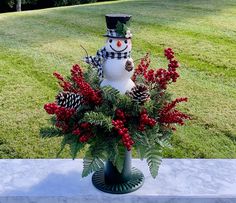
{"x": 60, "y": 181}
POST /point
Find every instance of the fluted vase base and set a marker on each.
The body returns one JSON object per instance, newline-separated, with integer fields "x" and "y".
{"x": 134, "y": 182}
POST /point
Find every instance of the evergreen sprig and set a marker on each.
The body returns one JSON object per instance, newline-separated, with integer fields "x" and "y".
{"x": 98, "y": 119}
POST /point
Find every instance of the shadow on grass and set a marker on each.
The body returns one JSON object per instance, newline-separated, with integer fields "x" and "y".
{"x": 229, "y": 135}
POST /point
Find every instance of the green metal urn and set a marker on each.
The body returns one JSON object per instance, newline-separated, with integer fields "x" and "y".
{"x": 110, "y": 180}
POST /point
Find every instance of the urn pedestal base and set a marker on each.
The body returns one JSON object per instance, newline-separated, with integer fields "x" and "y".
{"x": 134, "y": 182}
{"x": 110, "y": 180}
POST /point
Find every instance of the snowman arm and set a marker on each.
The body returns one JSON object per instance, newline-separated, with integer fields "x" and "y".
{"x": 96, "y": 61}
{"x": 90, "y": 60}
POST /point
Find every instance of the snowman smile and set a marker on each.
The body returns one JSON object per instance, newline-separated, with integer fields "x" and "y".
{"x": 119, "y": 50}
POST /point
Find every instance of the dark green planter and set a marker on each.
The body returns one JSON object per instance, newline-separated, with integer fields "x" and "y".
{"x": 108, "y": 179}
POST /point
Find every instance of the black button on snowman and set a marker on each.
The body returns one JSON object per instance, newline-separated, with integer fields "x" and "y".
{"x": 114, "y": 63}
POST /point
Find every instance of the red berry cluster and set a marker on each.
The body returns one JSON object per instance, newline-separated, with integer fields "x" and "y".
{"x": 158, "y": 78}
{"x": 145, "y": 120}
{"x": 142, "y": 67}
{"x": 123, "y": 132}
{"x": 173, "y": 64}
{"x": 67, "y": 86}
{"x": 90, "y": 95}
{"x": 169, "y": 106}
{"x": 163, "y": 77}
{"x": 62, "y": 125}
{"x": 169, "y": 54}
{"x": 174, "y": 117}
{"x": 120, "y": 115}
{"x": 169, "y": 115}
{"x": 50, "y": 108}
{"x": 58, "y": 76}
{"x": 86, "y": 126}
{"x": 63, "y": 115}
{"x": 150, "y": 76}
{"x": 84, "y": 132}
{"x": 76, "y": 71}
{"x": 77, "y": 131}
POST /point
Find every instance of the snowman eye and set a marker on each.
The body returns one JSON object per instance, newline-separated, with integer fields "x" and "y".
{"x": 126, "y": 41}
{"x": 110, "y": 40}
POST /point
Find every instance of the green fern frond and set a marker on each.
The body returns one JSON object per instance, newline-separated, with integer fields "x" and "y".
{"x": 119, "y": 158}
{"x": 141, "y": 150}
{"x": 141, "y": 139}
{"x": 91, "y": 164}
{"x": 75, "y": 147}
{"x": 153, "y": 156}
{"x": 165, "y": 143}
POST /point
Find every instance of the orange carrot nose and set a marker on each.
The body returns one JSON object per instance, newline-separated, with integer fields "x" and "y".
{"x": 119, "y": 43}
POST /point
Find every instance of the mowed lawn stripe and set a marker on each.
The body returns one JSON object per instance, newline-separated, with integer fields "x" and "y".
{"x": 33, "y": 44}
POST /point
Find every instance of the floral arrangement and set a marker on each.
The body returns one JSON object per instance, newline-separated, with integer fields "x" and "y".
{"x": 106, "y": 123}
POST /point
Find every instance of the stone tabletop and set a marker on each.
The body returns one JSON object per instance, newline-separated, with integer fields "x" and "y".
{"x": 60, "y": 181}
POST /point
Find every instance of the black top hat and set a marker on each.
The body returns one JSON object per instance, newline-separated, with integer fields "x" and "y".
{"x": 117, "y": 26}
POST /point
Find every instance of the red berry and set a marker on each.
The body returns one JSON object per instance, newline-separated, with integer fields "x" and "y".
{"x": 120, "y": 132}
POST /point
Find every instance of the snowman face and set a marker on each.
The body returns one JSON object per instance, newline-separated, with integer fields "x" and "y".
{"x": 118, "y": 45}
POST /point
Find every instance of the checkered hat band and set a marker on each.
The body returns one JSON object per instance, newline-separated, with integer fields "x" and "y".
{"x": 113, "y": 33}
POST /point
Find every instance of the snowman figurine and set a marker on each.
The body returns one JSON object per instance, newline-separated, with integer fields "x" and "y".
{"x": 113, "y": 62}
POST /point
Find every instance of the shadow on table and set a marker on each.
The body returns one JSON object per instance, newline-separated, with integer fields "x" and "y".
{"x": 53, "y": 185}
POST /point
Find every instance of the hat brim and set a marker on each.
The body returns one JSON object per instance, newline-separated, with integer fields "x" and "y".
{"x": 119, "y": 37}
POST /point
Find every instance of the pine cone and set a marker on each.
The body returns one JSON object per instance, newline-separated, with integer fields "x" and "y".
{"x": 69, "y": 100}
{"x": 139, "y": 93}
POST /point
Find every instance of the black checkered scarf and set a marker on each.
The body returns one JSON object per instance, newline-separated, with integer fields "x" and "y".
{"x": 102, "y": 55}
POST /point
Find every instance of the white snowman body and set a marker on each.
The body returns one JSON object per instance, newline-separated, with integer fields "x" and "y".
{"x": 114, "y": 70}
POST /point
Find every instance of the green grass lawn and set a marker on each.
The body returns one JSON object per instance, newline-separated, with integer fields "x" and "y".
{"x": 33, "y": 44}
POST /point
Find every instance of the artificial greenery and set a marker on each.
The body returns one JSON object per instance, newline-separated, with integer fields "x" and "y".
{"x": 108, "y": 123}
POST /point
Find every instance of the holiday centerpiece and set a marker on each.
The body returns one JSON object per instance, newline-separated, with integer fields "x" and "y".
{"x": 112, "y": 107}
